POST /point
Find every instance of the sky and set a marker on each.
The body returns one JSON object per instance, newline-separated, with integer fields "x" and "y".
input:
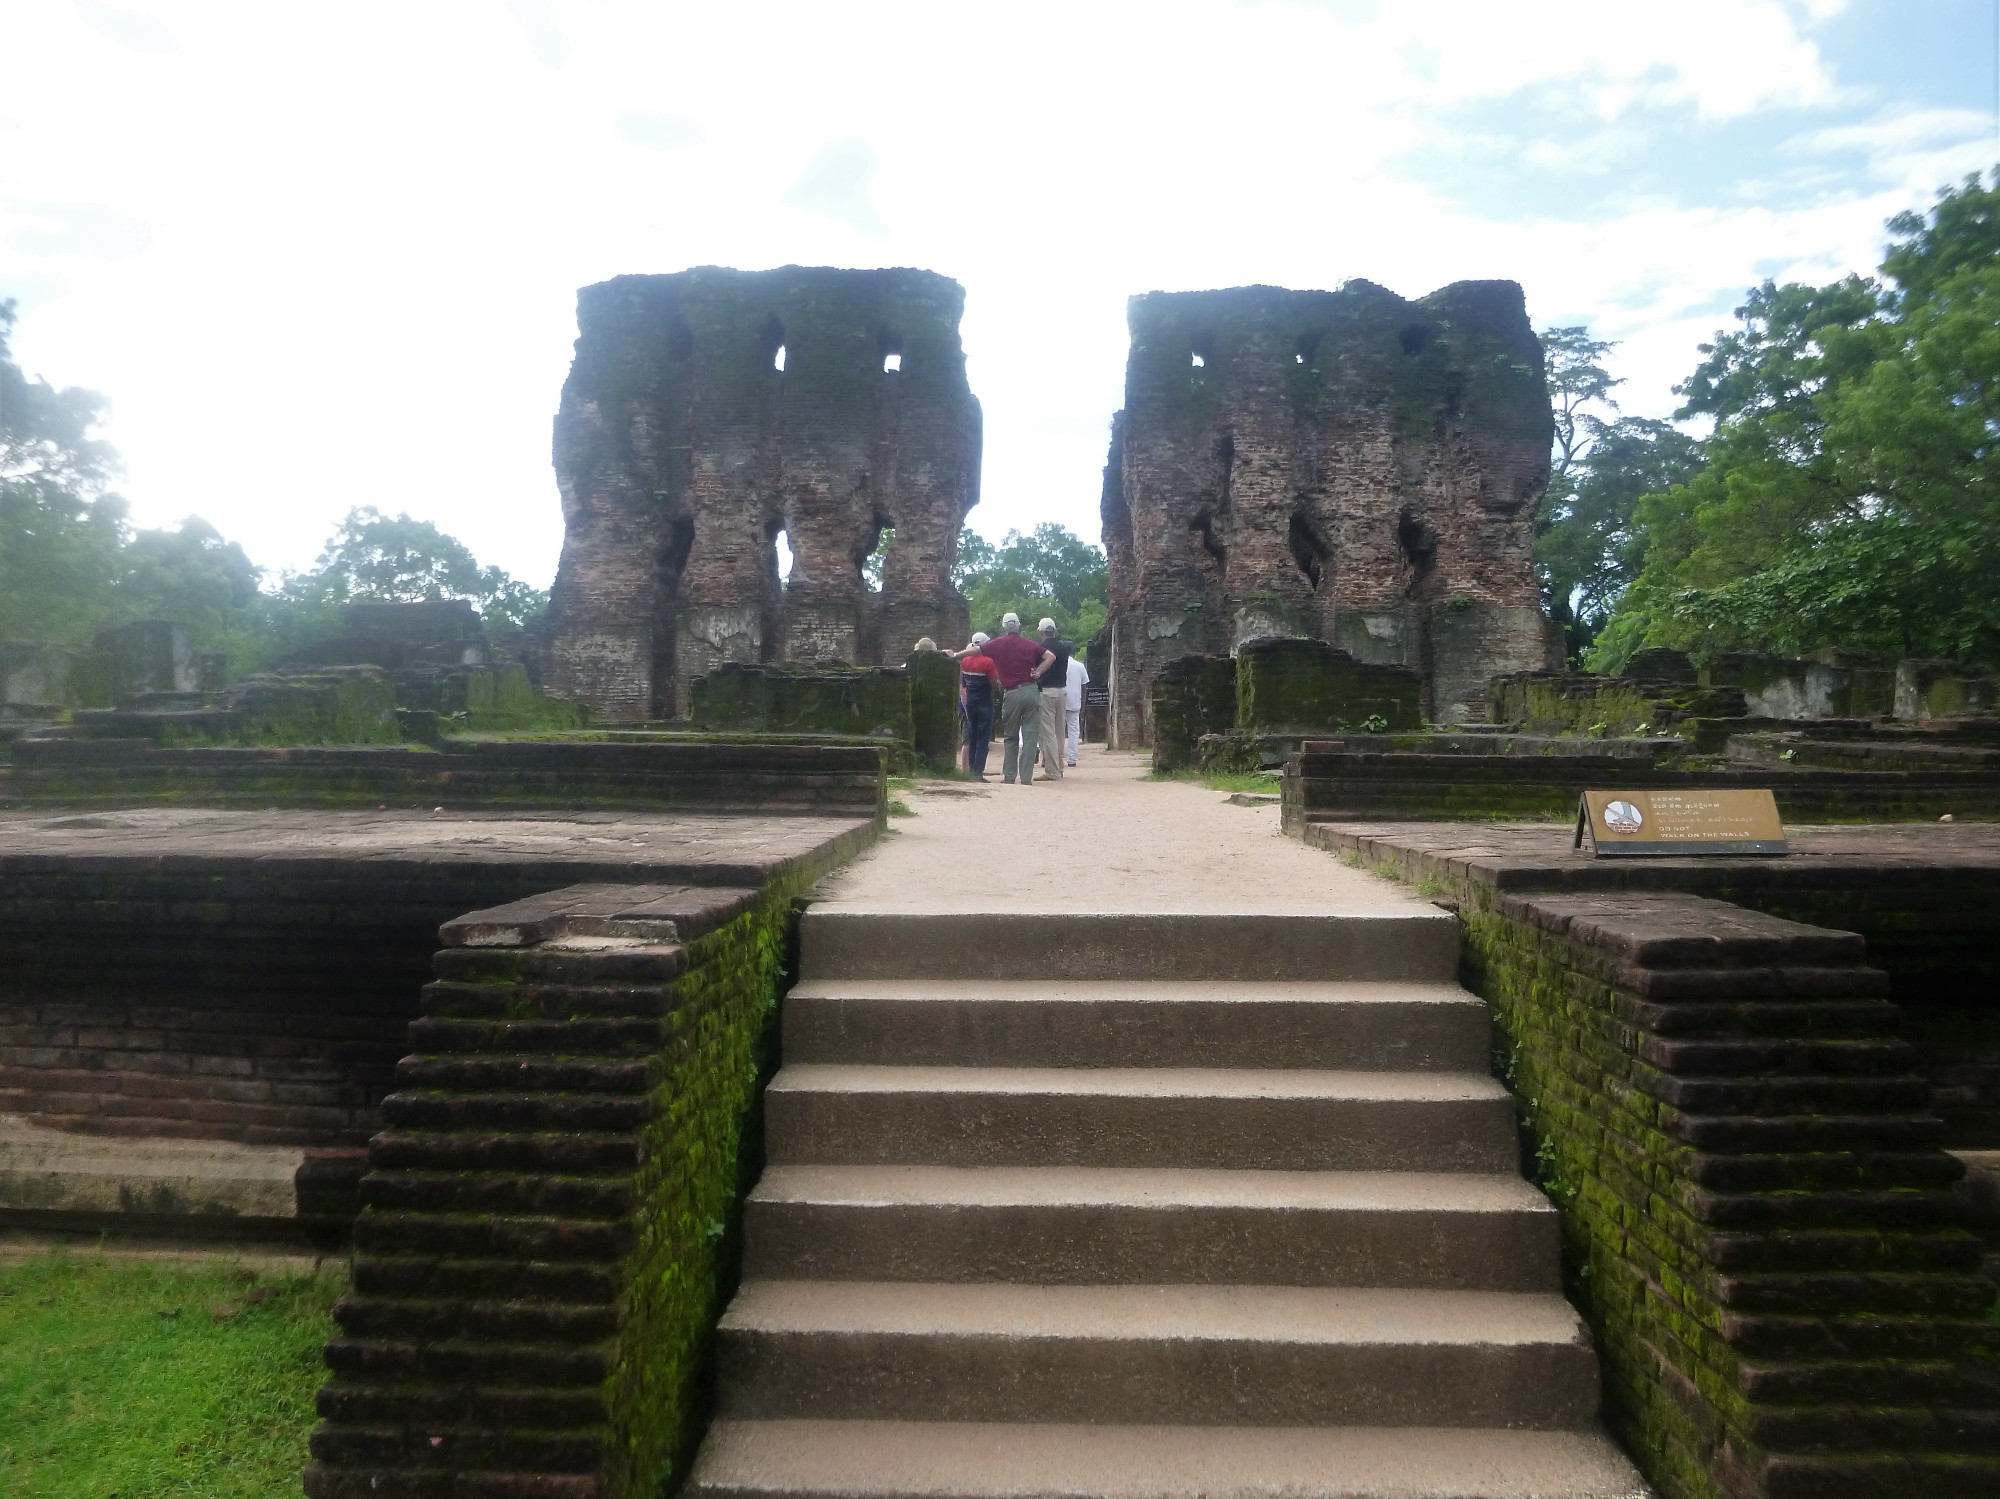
{"x": 320, "y": 256}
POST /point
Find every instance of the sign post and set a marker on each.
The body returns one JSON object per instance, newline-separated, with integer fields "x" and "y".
{"x": 1627, "y": 824}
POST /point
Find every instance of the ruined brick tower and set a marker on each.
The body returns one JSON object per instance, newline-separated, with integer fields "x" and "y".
{"x": 709, "y": 412}
{"x": 1347, "y": 466}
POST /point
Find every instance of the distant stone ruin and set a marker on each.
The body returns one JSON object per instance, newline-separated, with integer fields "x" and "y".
{"x": 1344, "y": 466}
{"x": 708, "y": 414}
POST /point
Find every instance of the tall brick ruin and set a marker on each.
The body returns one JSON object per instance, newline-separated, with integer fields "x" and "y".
{"x": 711, "y": 411}
{"x": 1345, "y": 466}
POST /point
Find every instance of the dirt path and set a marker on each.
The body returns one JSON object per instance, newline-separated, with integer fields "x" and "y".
{"x": 1102, "y": 839}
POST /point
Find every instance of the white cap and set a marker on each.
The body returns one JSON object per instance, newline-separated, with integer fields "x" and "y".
{"x": 980, "y": 637}
{"x": 1010, "y": 621}
{"x": 1047, "y": 627}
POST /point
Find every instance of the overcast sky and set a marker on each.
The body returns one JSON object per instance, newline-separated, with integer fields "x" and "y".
{"x": 326, "y": 255}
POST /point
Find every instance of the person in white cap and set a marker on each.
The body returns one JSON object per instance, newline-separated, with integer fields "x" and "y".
{"x": 1054, "y": 682}
{"x": 1018, "y": 662}
{"x": 1079, "y": 678}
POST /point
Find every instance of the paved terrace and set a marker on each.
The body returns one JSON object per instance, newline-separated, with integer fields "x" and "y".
{"x": 672, "y": 848}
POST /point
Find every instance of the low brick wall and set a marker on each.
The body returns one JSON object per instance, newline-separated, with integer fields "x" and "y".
{"x": 1759, "y": 1213}
{"x": 1377, "y": 787}
{"x": 710, "y": 777}
{"x": 551, "y": 1214}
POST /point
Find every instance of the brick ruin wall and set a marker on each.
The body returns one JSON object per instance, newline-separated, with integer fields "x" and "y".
{"x": 686, "y": 445}
{"x": 1345, "y": 466}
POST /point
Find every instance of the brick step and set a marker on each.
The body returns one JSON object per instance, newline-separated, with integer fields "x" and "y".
{"x": 843, "y": 943}
{"x": 618, "y": 1036}
{"x": 1808, "y": 1293}
{"x": 513, "y": 1193}
{"x": 568, "y": 1153}
{"x": 1829, "y": 1171}
{"x": 1776, "y": 1018}
{"x": 449, "y": 998}
{"x": 429, "y": 1319}
{"x": 322, "y": 1482}
{"x": 482, "y": 1279}
{"x": 1765, "y": 1335}
{"x": 1726, "y": 1058}
{"x": 534, "y": 967}
{"x": 1072, "y": 1225}
{"x": 489, "y": 1236}
{"x": 1934, "y": 1382}
{"x": 493, "y": 1407}
{"x": 1228, "y": 1119}
{"x": 1403, "y": 1027}
{"x": 367, "y": 1360}
{"x": 1751, "y": 1135}
{"x": 1764, "y": 1096}
{"x": 921, "y": 1460}
{"x": 528, "y": 1073}
{"x": 1883, "y": 1211}
{"x": 1836, "y": 1251}
{"x": 452, "y": 1449}
{"x": 1860, "y": 1428}
{"x": 1262, "y": 1355}
{"x": 514, "y": 1111}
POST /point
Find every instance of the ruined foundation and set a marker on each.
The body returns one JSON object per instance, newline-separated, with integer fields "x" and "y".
{"x": 710, "y": 412}
{"x": 1343, "y": 466}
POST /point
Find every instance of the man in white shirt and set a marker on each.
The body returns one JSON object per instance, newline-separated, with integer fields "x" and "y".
{"x": 1078, "y": 679}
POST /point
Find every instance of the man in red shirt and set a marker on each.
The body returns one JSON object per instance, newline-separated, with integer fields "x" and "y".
{"x": 1018, "y": 662}
{"x": 978, "y": 698}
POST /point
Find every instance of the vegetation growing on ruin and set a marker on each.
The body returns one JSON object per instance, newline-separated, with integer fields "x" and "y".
{"x": 154, "y": 1377}
{"x": 1850, "y": 492}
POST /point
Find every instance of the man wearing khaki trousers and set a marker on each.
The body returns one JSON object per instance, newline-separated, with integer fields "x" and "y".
{"x": 1053, "y": 679}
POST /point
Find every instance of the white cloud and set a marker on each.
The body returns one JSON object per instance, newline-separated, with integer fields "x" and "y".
{"x": 354, "y": 234}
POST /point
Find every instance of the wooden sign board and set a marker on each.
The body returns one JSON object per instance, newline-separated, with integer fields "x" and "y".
{"x": 1624, "y": 824}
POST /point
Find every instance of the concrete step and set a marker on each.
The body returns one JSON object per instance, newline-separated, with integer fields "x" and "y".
{"x": 1104, "y": 1023}
{"x": 921, "y": 1460}
{"x": 1207, "y": 1355}
{"x": 1420, "y": 946}
{"x": 1078, "y": 1225}
{"x": 1225, "y": 1119}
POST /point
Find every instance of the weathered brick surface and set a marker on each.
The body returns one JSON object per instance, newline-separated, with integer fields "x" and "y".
{"x": 1759, "y": 1217}
{"x": 550, "y": 1212}
{"x": 682, "y": 452}
{"x": 713, "y": 777}
{"x": 1344, "y": 466}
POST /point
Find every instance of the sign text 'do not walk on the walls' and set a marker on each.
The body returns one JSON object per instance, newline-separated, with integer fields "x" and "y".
{"x": 1624, "y": 824}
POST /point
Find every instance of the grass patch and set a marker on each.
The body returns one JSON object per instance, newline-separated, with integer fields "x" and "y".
{"x": 142, "y": 1379}
{"x": 1254, "y": 780}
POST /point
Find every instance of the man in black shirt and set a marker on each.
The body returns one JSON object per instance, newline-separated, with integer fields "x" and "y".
{"x": 1053, "y": 680}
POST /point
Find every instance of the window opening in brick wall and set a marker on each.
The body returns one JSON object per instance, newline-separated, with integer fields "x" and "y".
{"x": 1415, "y": 338}
{"x": 778, "y": 359}
{"x": 892, "y": 364}
{"x": 783, "y": 545}
{"x": 1309, "y": 549}
{"x": 1199, "y": 362}
{"x": 680, "y": 342}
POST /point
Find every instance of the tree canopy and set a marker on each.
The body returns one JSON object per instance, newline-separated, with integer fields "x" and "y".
{"x": 1052, "y": 572}
{"x": 1849, "y": 494}
{"x": 71, "y": 563}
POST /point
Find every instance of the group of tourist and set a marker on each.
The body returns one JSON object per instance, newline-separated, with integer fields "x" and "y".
{"x": 1035, "y": 687}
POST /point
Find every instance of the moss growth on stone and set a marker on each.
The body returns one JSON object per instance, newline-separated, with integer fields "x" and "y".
{"x": 1303, "y": 685}
{"x": 933, "y": 689}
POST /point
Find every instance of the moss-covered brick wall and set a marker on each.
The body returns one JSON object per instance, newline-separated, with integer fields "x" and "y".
{"x": 1369, "y": 784}
{"x": 1758, "y": 1217}
{"x": 814, "y": 699}
{"x": 1191, "y": 696}
{"x": 550, "y": 1221}
{"x": 1307, "y": 684}
{"x": 1608, "y": 707}
{"x": 721, "y": 776}
{"x": 933, "y": 685}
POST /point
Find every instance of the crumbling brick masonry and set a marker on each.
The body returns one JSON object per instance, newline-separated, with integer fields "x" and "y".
{"x": 1345, "y": 466}
{"x": 711, "y": 411}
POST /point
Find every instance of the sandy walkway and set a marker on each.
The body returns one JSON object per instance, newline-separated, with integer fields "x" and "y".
{"x": 1100, "y": 840}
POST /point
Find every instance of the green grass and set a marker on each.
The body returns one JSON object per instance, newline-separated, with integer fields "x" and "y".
{"x": 1255, "y": 780}
{"x": 119, "y": 1381}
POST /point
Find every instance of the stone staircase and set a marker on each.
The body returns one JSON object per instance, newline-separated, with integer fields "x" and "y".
{"x": 1146, "y": 1205}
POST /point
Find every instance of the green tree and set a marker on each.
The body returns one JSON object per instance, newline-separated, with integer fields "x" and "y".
{"x": 61, "y": 529}
{"x": 1051, "y": 573}
{"x": 1598, "y": 470}
{"x": 1851, "y": 494}
{"x": 401, "y": 560}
